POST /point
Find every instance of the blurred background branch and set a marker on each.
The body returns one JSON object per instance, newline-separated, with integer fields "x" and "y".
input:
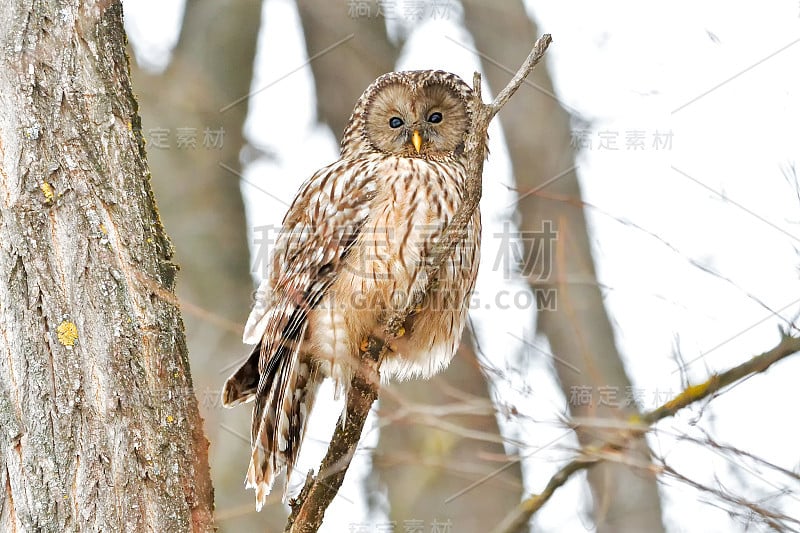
{"x": 611, "y": 452}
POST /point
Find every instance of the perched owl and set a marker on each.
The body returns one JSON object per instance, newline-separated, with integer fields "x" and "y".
{"x": 352, "y": 250}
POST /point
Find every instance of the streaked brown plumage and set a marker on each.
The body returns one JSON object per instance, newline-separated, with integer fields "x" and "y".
{"x": 352, "y": 248}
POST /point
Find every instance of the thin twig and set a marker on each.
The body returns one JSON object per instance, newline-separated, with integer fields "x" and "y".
{"x": 738, "y": 506}
{"x": 309, "y": 507}
{"x": 537, "y": 52}
{"x": 518, "y": 518}
{"x": 717, "y": 382}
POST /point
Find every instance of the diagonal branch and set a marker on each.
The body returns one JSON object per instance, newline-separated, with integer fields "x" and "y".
{"x": 309, "y": 507}
{"x": 517, "y": 520}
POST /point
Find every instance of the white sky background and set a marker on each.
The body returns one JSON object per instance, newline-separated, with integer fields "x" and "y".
{"x": 622, "y": 67}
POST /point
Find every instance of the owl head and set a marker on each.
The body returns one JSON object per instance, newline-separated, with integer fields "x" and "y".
{"x": 420, "y": 113}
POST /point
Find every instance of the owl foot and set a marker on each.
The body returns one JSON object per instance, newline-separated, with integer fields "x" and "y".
{"x": 369, "y": 369}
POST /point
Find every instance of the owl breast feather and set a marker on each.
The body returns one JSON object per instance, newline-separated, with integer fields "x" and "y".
{"x": 384, "y": 271}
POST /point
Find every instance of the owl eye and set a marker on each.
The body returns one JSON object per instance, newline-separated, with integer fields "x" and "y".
{"x": 435, "y": 118}
{"x": 395, "y": 122}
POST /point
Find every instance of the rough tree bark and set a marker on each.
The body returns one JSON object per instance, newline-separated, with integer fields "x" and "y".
{"x": 579, "y": 331}
{"x": 99, "y": 427}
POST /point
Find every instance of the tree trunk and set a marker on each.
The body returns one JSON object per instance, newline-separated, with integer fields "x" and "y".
{"x": 342, "y": 74}
{"x": 577, "y": 327}
{"x": 100, "y": 426}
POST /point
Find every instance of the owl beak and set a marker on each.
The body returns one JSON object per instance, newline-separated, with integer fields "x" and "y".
{"x": 416, "y": 140}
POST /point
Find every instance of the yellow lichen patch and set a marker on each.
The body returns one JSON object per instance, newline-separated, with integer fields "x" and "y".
{"x": 439, "y": 444}
{"x": 691, "y": 394}
{"x": 635, "y": 420}
{"x": 532, "y": 503}
{"x": 170, "y": 419}
{"x": 67, "y": 333}
{"x": 103, "y": 229}
{"x": 47, "y": 190}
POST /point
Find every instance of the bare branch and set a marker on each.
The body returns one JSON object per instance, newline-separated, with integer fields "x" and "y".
{"x": 717, "y": 382}
{"x": 738, "y": 506}
{"x": 517, "y": 520}
{"x": 309, "y": 507}
{"x": 539, "y": 48}
{"x": 639, "y": 425}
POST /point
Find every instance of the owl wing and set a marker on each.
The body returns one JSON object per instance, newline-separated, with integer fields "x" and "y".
{"x": 317, "y": 232}
{"x": 318, "y": 229}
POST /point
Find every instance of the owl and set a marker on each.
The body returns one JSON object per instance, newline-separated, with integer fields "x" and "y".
{"x": 353, "y": 249}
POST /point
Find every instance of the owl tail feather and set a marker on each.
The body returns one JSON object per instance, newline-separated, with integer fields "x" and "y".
{"x": 241, "y": 387}
{"x": 279, "y": 417}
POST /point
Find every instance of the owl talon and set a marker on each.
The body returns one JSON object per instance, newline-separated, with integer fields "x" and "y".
{"x": 369, "y": 370}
